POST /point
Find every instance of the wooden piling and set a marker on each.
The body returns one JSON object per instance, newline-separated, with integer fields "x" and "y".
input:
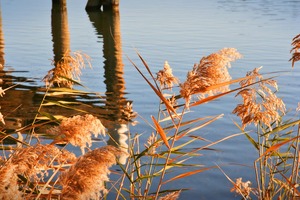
{"x": 105, "y": 4}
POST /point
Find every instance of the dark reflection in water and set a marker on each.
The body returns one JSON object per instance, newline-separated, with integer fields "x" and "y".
{"x": 21, "y": 103}
{"x": 107, "y": 25}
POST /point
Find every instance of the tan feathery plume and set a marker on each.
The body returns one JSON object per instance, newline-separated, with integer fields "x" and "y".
{"x": 31, "y": 162}
{"x": 171, "y": 196}
{"x": 260, "y": 104}
{"x": 165, "y": 77}
{"x": 242, "y": 188}
{"x": 78, "y": 130}
{"x": 150, "y": 144}
{"x": 9, "y": 188}
{"x": 85, "y": 179}
{"x": 128, "y": 114}
{"x": 66, "y": 69}
{"x": 211, "y": 70}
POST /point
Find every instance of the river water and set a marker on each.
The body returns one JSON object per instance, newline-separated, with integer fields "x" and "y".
{"x": 180, "y": 32}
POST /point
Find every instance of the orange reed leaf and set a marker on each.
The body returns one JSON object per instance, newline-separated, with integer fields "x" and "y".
{"x": 208, "y": 145}
{"x": 186, "y": 174}
{"x": 211, "y": 98}
{"x": 161, "y": 132}
{"x": 216, "y": 86}
{"x": 147, "y": 66}
{"x": 276, "y": 147}
{"x": 157, "y": 92}
{"x": 199, "y": 127}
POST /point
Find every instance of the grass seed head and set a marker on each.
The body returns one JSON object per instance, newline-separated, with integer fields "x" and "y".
{"x": 211, "y": 70}
{"x": 260, "y": 103}
{"x": 165, "y": 77}
{"x": 85, "y": 179}
{"x": 32, "y": 162}
{"x": 78, "y": 130}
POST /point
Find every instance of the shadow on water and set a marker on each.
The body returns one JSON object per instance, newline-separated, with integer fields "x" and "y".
{"x": 21, "y": 103}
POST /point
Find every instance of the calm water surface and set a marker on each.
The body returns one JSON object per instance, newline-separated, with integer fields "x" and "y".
{"x": 180, "y": 32}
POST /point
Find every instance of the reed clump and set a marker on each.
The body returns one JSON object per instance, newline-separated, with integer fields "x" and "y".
{"x": 260, "y": 104}
{"x": 31, "y": 165}
{"x": 31, "y": 169}
{"x": 276, "y": 142}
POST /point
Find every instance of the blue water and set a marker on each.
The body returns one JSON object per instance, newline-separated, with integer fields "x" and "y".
{"x": 180, "y": 32}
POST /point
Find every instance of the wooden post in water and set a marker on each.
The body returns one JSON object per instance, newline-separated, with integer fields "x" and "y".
{"x": 106, "y": 4}
{"x": 62, "y": 3}
{"x": 60, "y": 29}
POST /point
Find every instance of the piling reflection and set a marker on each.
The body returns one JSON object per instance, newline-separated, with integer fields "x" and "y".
{"x": 107, "y": 25}
{"x": 62, "y": 62}
{"x": 6, "y": 81}
{"x": 22, "y": 102}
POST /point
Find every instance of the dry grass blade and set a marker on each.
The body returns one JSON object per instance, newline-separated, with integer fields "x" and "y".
{"x": 211, "y": 98}
{"x": 186, "y": 174}
{"x": 200, "y": 126}
{"x": 172, "y": 117}
{"x": 161, "y": 132}
{"x": 275, "y": 147}
{"x": 147, "y": 67}
{"x": 216, "y": 86}
{"x": 291, "y": 185}
{"x": 157, "y": 92}
{"x": 236, "y": 187}
{"x": 283, "y": 127}
{"x": 185, "y": 123}
{"x": 208, "y": 145}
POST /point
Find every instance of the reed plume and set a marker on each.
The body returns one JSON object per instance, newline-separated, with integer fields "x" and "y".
{"x": 9, "y": 188}
{"x": 86, "y": 178}
{"x": 295, "y": 50}
{"x": 128, "y": 114}
{"x": 211, "y": 70}
{"x": 171, "y": 196}
{"x": 242, "y": 188}
{"x": 31, "y": 162}
{"x": 151, "y": 143}
{"x": 260, "y": 103}
{"x": 78, "y": 130}
{"x": 67, "y": 69}
{"x": 165, "y": 77}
